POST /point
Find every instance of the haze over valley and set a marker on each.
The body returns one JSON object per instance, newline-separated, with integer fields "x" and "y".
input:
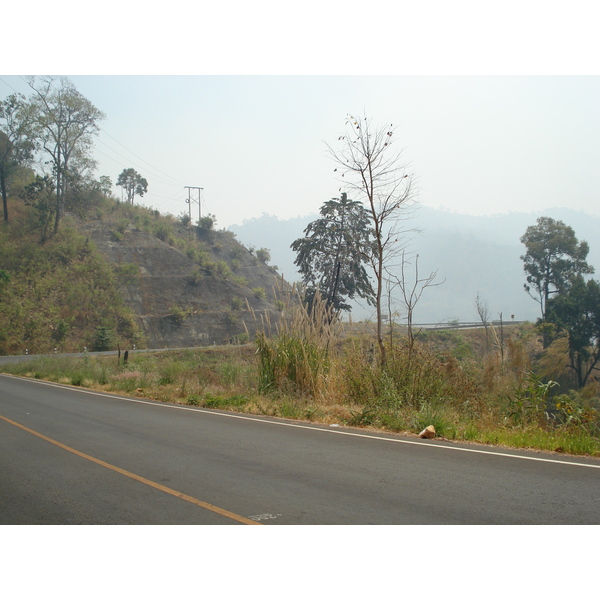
{"x": 474, "y": 254}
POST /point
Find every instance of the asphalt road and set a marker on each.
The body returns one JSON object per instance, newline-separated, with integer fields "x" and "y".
{"x": 70, "y": 456}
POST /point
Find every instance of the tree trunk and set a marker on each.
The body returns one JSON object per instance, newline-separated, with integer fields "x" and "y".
{"x": 382, "y": 351}
{"x": 4, "y": 196}
{"x": 59, "y": 191}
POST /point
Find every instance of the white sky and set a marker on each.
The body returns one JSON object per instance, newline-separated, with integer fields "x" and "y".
{"x": 501, "y": 129}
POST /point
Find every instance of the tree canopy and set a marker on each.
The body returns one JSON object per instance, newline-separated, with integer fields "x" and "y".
{"x": 64, "y": 123}
{"x": 554, "y": 257}
{"x": 332, "y": 254}
{"x": 133, "y": 184}
{"x": 577, "y": 311}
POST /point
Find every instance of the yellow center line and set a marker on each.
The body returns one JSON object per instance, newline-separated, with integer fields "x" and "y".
{"x": 153, "y": 484}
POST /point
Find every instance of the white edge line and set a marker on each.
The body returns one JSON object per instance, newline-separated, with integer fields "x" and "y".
{"x": 297, "y": 425}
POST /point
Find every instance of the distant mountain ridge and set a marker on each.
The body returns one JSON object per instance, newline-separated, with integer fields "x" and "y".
{"x": 474, "y": 254}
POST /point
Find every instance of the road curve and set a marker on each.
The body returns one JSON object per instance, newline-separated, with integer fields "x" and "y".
{"x": 73, "y": 456}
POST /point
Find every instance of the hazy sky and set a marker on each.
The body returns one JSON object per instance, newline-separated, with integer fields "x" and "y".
{"x": 504, "y": 130}
{"x": 477, "y": 144}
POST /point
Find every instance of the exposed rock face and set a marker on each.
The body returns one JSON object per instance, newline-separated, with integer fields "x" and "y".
{"x": 179, "y": 303}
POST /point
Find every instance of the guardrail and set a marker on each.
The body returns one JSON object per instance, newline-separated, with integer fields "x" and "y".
{"x": 465, "y": 324}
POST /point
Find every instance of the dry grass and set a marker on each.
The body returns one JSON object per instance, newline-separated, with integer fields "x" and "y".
{"x": 469, "y": 392}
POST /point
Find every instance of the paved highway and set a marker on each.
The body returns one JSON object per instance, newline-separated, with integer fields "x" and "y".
{"x": 71, "y": 456}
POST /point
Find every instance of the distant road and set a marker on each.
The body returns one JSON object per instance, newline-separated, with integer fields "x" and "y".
{"x": 458, "y": 325}
{"x": 82, "y": 457}
{"x": 466, "y": 324}
{"x": 15, "y": 358}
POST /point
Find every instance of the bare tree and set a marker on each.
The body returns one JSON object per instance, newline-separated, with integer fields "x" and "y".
{"x": 412, "y": 289}
{"x": 484, "y": 314}
{"x": 375, "y": 173}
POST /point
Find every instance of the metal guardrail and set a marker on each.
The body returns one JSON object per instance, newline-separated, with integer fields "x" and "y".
{"x": 465, "y": 324}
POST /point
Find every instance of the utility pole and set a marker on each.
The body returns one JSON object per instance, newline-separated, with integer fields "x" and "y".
{"x": 190, "y": 200}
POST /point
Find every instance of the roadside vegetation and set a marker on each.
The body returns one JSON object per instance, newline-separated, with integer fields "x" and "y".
{"x": 461, "y": 382}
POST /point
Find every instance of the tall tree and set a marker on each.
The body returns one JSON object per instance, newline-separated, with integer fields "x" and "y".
{"x": 104, "y": 185}
{"x": 133, "y": 184}
{"x": 332, "y": 253}
{"x": 553, "y": 259}
{"x": 16, "y": 146}
{"x": 65, "y": 123}
{"x": 577, "y": 311}
{"x": 377, "y": 175}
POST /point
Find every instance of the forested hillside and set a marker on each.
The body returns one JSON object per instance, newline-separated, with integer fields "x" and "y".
{"x": 122, "y": 275}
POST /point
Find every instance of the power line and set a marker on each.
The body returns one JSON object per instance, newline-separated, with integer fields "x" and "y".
{"x": 174, "y": 179}
{"x": 134, "y": 154}
{"x": 10, "y": 86}
{"x": 130, "y": 163}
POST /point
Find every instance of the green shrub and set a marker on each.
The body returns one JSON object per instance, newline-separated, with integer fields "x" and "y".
{"x": 60, "y": 330}
{"x": 164, "y": 232}
{"x": 178, "y": 314}
{"x": 77, "y": 379}
{"x": 239, "y": 280}
{"x": 428, "y": 415}
{"x": 237, "y": 303}
{"x": 122, "y": 225}
{"x": 104, "y": 339}
{"x": 528, "y": 401}
{"x": 207, "y": 223}
{"x": 195, "y": 277}
{"x": 366, "y": 416}
{"x": 411, "y": 378}
{"x": 194, "y": 400}
{"x": 222, "y": 269}
{"x": 263, "y": 255}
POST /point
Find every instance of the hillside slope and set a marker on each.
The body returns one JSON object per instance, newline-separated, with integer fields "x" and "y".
{"x": 190, "y": 288}
{"x": 118, "y": 275}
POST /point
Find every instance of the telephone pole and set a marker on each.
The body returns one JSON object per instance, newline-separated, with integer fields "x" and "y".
{"x": 190, "y": 200}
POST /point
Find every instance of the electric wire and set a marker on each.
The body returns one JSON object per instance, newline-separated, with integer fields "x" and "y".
{"x": 171, "y": 199}
{"x": 157, "y": 178}
{"x": 134, "y": 154}
{"x": 174, "y": 179}
{"x": 10, "y": 86}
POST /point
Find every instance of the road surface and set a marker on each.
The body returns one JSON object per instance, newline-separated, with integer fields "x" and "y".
{"x": 72, "y": 456}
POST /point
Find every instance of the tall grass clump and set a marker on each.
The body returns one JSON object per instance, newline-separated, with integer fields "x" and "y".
{"x": 295, "y": 354}
{"x": 412, "y": 377}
